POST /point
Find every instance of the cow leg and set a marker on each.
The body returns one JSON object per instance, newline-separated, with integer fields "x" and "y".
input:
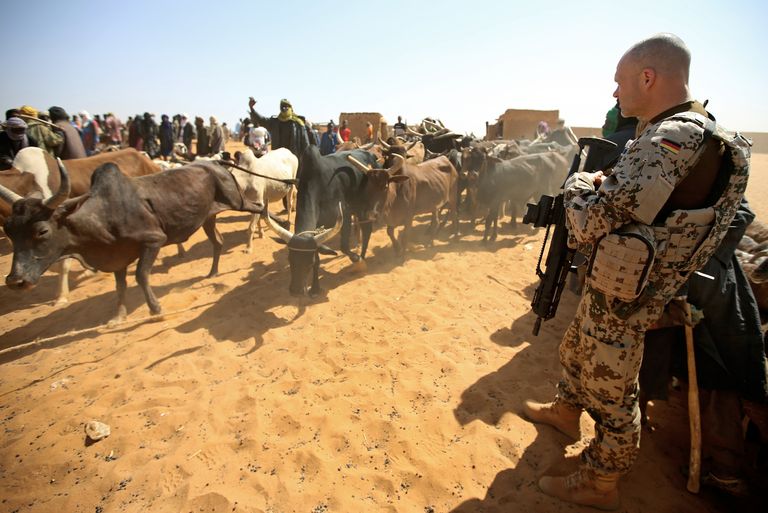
{"x": 259, "y": 219}
{"x": 181, "y": 251}
{"x": 395, "y": 242}
{"x": 120, "y": 285}
{"x": 432, "y": 233}
{"x": 64, "y": 268}
{"x": 143, "y": 268}
{"x": 491, "y": 219}
{"x": 251, "y": 229}
{"x": 346, "y": 229}
{"x": 291, "y": 203}
{"x": 405, "y": 235}
{"x": 365, "y": 230}
{"x": 215, "y": 237}
{"x": 513, "y": 214}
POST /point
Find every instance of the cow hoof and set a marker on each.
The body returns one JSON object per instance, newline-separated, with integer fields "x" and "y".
{"x": 212, "y": 274}
{"x": 61, "y": 301}
{"x": 354, "y": 257}
{"x": 359, "y": 267}
{"x": 115, "y": 322}
{"x": 316, "y": 292}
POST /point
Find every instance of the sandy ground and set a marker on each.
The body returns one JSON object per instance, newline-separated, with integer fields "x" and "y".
{"x": 398, "y": 391}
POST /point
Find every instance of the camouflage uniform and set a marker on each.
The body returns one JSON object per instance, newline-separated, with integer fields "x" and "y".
{"x": 46, "y": 138}
{"x": 602, "y": 349}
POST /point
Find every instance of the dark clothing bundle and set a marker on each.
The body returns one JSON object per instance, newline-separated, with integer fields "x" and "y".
{"x": 149, "y": 134}
{"x": 72, "y": 147}
{"x": 729, "y": 347}
{"x": 166, "y": 138}
{"x": 285, "y": 134}
{"x": 9, "y": 149}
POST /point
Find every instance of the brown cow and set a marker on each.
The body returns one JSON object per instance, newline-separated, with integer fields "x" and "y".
{"x": 395, "y": 196}
{"x": 120, "y": 219}
{"x": 36, "y": 173}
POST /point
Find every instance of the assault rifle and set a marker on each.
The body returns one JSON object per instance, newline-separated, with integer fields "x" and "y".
{"x": 549, "y": 212}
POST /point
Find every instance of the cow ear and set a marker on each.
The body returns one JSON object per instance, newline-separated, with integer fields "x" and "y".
{"x": 69, "y": 207}
{"x": 279, "y": 241}
{"x": 398, "y": 179}
{"x": 325, "y": 250}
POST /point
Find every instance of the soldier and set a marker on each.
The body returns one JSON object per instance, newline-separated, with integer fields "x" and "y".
{"x": 661, "y": 214}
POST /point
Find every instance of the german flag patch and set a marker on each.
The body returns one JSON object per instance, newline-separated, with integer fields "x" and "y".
{"x": 670, "y": 146}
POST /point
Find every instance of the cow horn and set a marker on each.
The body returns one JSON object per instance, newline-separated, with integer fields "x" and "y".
{"x": 359, "y": 165}
{"x": 447, "y": 135}
{"x": 366, "y": 146}
{"x": 398, "y": 164}
{"x": 323, "y": 236}
{"x": 8, "y": 195}
{"x": 63, "y": 192}
{"x": 411, "y": 131}
{"x": 284, "y": 234}
{"x": 384, "y": 144}
{"x": 410, "y": 146}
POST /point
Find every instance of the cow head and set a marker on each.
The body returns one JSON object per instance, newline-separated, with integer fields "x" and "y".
{"x": 35, "y": 229}
{"x": 376, "y": 188}
{"x": 303, "y": 251}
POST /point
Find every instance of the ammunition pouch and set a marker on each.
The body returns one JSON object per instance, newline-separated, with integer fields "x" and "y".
{"x": 621, "y": 262}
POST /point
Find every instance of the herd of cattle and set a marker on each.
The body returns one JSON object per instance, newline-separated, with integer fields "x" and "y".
{"x": 113, "y": 208}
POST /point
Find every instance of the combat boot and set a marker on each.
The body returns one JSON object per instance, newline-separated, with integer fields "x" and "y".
{"x": 584, "y": 487}
{"x": 560, "y": 416}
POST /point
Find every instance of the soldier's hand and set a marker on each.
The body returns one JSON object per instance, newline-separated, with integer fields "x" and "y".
{"x": 598, "y": 179}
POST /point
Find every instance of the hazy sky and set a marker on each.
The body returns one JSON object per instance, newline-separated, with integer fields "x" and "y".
{"x": 464, "y": 62}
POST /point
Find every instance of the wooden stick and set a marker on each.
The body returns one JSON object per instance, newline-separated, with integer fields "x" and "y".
{"x": 694, "y": 412}
{"x": 41, "y": 121}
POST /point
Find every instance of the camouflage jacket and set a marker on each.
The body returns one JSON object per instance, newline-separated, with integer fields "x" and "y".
{"x": 47, "y": 139}
{"x": 642, "y": 181}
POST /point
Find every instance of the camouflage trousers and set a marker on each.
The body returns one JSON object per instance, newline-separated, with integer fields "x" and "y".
{"x": 601, "y": 355}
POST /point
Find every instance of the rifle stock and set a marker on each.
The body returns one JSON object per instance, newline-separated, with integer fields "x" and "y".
{"x": 549, "y": 212}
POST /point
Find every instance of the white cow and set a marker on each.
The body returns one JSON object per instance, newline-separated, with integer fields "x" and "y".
{"x": 279, "y": 163}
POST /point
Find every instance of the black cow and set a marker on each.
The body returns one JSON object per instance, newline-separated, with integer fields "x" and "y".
{"x": 329, "y": 192}
{"x": 119, "y": 220}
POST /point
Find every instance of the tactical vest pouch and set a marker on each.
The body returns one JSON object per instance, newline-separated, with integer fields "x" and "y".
{"x": 621, "y": 262}
{"x": 682, "y": 235}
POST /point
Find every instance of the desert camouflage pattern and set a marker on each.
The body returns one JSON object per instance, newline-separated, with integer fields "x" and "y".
{"x": 602, "y": 349}
{"x": 620, "y": 266}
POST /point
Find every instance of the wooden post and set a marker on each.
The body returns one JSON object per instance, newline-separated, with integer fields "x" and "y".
{"x": 694, "y": 411}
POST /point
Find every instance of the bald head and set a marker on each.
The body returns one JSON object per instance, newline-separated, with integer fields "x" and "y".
{"x": 652, "y": 77}
{"x": 667, "y": 54}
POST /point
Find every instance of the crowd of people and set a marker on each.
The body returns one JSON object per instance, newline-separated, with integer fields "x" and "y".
{"x": 81, "y": 135}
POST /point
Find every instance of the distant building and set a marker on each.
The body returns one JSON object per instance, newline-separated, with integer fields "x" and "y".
{"x": 357, "y": 124}
{"x": 520, "y": 124}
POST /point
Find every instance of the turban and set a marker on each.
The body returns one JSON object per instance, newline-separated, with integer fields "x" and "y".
{"x": 16, "y": 129}
{"x": 28, "y": 111}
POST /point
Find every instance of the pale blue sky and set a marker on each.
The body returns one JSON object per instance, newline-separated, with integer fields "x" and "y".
{"x": 462, "y": 61}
